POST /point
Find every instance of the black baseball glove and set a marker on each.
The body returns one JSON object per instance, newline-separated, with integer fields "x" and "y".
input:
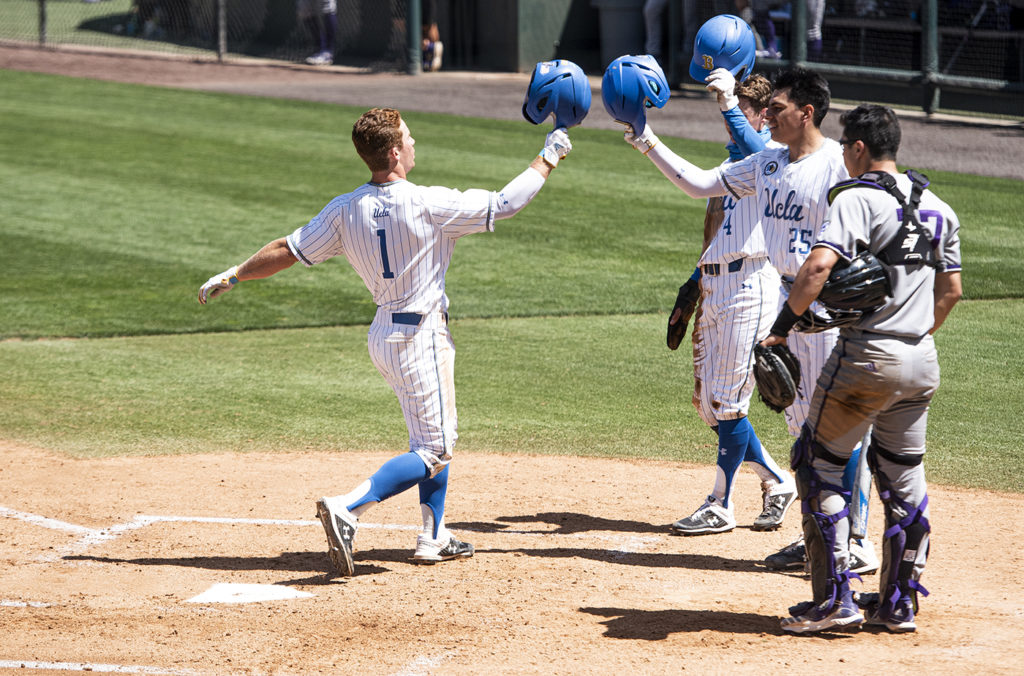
{"x": 686, "y": 303}
{"x": 777, "y": 374}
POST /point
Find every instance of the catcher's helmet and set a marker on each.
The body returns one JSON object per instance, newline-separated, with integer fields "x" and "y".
{"x": 812, "y": 322}
{"x": 724, "y": 41}
{"x": 863, "y": 284}
{"x": 631, "y": 85}
{"x": 557, "y": 88}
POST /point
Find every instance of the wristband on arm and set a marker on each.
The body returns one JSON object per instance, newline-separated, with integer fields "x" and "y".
{"x": 785, "y": 321}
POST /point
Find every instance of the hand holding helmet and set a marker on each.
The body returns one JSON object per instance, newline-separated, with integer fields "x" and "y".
{"x": 722, "y": 83}
{"x": 556, "y": 146}
{"x": 643, "y": 141}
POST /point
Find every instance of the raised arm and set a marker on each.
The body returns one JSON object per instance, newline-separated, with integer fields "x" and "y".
{"x": 691, "y": 179}
{"x": 524, "y": 187}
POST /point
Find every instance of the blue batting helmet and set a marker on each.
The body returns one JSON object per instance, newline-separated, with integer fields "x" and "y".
{"x": 631, "y": 85}
{"x": 557, "y": 88}
{"x": 724, "y": 41}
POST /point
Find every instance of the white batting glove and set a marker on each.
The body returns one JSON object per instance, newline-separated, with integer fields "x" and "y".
{"x": 556, "y": 146}
{"x": 218, "y": 284}
{"x": 644, "y": 142}
{"x": 722, "y": 83}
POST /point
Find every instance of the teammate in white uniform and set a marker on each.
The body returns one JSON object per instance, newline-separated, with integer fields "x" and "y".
{"x": 790, "y": 185}
{"x": 882, "y": 373}
{"x": 399, "y": 237}
{"x": 739, "y": 295}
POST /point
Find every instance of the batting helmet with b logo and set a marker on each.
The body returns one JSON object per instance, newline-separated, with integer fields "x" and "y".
{"x": 724, "y": 41}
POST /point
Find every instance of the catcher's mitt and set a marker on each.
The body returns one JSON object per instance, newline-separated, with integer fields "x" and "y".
{"x": 777, "y": 374}
{"x": 686, "y": 303}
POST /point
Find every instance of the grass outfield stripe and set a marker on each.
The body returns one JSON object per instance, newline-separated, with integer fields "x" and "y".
{"x": 595, "y": 386}
{"x": 122, "y": 199}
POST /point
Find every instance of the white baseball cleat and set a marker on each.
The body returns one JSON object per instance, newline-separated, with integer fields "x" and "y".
{"x": 340, "y": 526}
{"x": 433, "y": 551}
{"x": 807, "y": 618}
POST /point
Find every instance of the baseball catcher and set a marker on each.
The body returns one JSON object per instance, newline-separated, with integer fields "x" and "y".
{"x": 777, "y": 372}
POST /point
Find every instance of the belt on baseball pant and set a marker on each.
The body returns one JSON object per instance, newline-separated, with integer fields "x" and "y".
{"x": 716, "y": 268}
{"x": 412, "y": 318}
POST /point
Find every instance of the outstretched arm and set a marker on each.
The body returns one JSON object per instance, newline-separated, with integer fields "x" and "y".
{"x": 691, "y": 179}
{"x": 271, "y": 259}
{"x": 524, "y": 187}
{"x": 747, "y": 139}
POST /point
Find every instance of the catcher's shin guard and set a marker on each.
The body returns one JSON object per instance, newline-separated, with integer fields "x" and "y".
{"x": 828, "y": 583}
{"x": 905, "y": 541}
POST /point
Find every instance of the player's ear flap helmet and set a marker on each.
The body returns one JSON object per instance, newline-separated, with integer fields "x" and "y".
{"x": 631, "y": 85}
{"x": 724, "y": 41}
{"x": 557, "y": 88}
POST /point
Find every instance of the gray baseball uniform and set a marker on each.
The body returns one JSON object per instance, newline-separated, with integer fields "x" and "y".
{"x": 883, "y": 372}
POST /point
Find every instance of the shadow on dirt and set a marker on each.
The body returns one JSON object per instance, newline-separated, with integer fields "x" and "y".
{"x": 657, "y": 625}
{"x": 566, "y": 523}
{"x": 645, "y": 559}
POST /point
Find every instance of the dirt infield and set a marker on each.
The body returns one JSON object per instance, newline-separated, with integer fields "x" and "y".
{"x": 102, "y": 561}
{"x": 574, "y": 573}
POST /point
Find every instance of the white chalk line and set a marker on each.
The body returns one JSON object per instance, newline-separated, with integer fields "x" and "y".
{"x": 95, "y": 536}
{"x": 45, "y": 522}
{"x": 86, "y": 666}
{"x": 423, "y": 665}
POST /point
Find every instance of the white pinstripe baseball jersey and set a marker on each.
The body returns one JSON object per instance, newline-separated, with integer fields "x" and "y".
{"x": 740, "y": 235}
{"x": 792, "y": 197}
{"x": 399, "y": 237}
{"x": 792, "y": 200}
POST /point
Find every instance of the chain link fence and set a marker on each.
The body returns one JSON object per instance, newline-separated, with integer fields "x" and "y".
{"x": 370, "y": 33}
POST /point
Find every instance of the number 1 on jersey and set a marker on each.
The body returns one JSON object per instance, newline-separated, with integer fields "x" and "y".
{"x": 383, "y": 237}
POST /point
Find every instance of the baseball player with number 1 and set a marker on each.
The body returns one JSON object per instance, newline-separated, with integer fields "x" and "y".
{"x": 399, "y": 237}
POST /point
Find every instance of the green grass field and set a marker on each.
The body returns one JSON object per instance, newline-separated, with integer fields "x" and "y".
{"x": 118, "y": 201}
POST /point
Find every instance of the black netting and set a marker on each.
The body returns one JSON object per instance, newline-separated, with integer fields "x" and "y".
{"x": 370, "y": 33}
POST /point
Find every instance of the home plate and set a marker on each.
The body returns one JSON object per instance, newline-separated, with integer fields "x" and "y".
{"x": 247, "y": 593}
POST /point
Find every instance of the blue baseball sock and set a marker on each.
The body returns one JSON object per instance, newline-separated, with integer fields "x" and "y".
{"x": 432, "y": 496}
{"x": 733, "y": 439}
{"x": 850, "y": 471}
{"x": 755, "y": 453}
{"x": 398, "y": 474}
